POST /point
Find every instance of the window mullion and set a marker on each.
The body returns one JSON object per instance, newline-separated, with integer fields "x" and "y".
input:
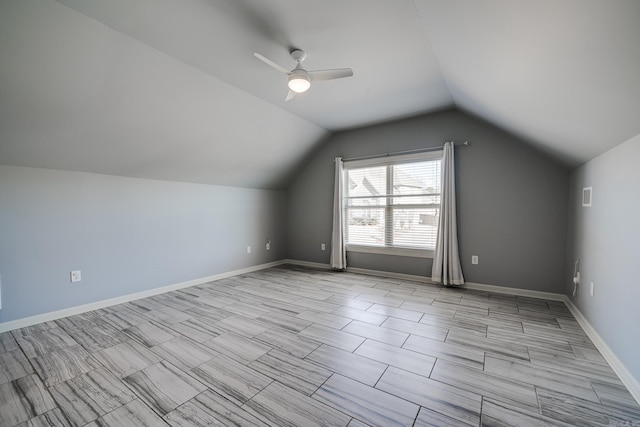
{"x": 388, "y": 224}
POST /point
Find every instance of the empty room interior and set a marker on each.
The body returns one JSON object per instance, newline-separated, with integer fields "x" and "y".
{"x": 332, "y": 213}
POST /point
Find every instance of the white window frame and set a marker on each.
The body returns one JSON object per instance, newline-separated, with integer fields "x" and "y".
{"x": 386, "y": 161}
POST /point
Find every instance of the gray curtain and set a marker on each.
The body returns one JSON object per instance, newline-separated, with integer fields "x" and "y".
{"x": 338, "y": 252}
{"x": 446, "y": 261}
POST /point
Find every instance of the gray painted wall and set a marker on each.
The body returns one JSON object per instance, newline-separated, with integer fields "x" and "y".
{"x": 512, "y": 209}
{"x": 606, "y": 239}
{"x": 126, "y": 235}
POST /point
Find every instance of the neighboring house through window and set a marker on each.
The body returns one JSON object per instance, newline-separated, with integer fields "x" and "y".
{"x": 392, "y": 204}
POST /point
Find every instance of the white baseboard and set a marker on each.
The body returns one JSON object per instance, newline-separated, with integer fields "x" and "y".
{"x": 514, "y": 291}
{"x": 391, "y": 275}
{"x": 631, "y": 382}
{"x": 53, "y": 315}
{"x": 357, "y": 270}
{"x": 309, "y": 264}
{"x": 426, "y": 279}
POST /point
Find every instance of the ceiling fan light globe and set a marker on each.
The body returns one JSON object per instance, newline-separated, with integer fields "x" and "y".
{"x": 299, "y": 83}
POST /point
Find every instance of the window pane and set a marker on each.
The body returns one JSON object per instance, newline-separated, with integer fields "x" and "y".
{"x": 415, "y": 227}
{"x": 365, "y": 226}
{"x": 416, "y": 183}
{"x": 367, "y": 182}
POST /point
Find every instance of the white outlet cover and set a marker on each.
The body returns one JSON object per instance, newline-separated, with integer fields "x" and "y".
{"x": 248, "y": 249}
{"x": 591, "y": 290}
{"x": 474, "y": 259}
{"x": 322, "y": 247}
{"x": 76, "y": 276}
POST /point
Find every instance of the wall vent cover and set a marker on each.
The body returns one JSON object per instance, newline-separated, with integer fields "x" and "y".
{"x": 586, "y": 196}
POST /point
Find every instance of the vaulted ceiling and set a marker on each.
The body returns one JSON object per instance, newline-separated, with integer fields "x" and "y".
{"x": 170, "y": 89}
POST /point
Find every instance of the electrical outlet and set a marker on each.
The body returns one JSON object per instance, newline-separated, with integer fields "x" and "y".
{"x": 474, "y": 259}
{"x": 591, "y": 288}
{"x": 76, "y": 276}
{"x": 248, "y": 249}
{"x": 322, "y": 247}
{"x": 268, "y": 246}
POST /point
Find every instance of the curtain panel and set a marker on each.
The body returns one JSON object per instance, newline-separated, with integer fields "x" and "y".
{"x": 338, "y": 251}
{"x": 446, "y": 261}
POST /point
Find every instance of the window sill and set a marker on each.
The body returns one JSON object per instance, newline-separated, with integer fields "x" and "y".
{"x": 416, "y": 253}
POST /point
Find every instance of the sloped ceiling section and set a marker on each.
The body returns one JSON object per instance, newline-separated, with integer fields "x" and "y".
{"x": 384, "y": 42}
{"x": 77, "y": 95}
{"x": 561, "y": 74}
{"x": 170, "y": 89}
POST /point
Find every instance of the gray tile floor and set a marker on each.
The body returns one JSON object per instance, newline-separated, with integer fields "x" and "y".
{"x": 297, "y": 347}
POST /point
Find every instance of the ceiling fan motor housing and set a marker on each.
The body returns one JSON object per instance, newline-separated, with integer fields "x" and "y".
{"x": 298, "y": 55}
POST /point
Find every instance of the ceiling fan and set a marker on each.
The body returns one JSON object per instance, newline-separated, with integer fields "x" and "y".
{"x": 299, "y": 78}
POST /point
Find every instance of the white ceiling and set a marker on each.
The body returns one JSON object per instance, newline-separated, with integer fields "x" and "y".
{"x": 170, "y": 89}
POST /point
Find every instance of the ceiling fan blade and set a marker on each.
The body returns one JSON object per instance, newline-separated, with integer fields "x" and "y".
{"x": 290, "y": 95}
{"x": 271, "y": 63}
{"x": 338, "y": 73}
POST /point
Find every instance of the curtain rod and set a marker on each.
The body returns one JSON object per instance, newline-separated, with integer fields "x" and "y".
{"x": 397, "y": 153}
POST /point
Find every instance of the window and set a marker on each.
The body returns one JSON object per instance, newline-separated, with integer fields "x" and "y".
{"x": 392, "y": 206}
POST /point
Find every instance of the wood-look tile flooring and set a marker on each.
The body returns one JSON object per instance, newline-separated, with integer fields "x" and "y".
{"x": 296, "y": 347}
